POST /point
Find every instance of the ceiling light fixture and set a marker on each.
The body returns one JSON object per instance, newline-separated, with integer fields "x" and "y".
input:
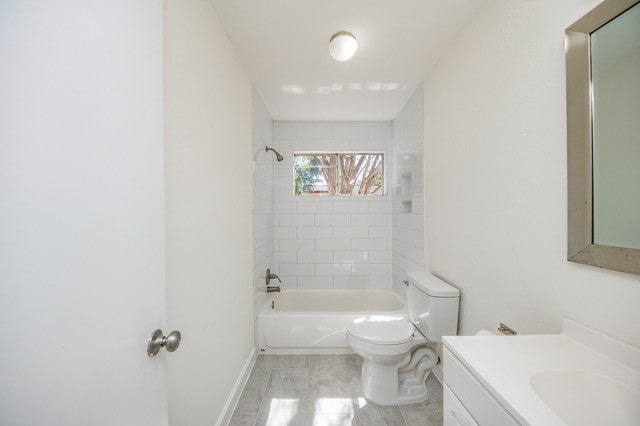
{"x": 342, "y": 46}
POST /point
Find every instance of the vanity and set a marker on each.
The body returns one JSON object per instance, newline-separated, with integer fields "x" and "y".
{"x": 578, "y": 377}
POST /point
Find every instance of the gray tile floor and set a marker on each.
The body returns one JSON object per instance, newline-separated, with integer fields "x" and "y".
{"x": 323, "y": 390}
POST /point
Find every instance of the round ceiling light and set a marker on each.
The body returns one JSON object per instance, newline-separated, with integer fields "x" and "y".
{"x": 342, "y": 46}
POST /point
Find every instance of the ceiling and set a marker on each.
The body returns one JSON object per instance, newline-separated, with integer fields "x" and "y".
{"x": 283, "y": 44}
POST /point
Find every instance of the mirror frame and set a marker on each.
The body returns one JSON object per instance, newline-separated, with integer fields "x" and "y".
{"x": 581, "y": 247}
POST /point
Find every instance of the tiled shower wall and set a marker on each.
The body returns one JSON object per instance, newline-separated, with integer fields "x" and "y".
{"x": 262, "y": 198}
{"x": 408, "y": 227}
{"x": 331, "y": 242}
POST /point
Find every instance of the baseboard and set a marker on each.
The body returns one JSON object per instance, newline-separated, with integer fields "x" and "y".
{"x": 236, "y": 391}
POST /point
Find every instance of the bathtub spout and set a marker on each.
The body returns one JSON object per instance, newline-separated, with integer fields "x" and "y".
{"x": 275, "y": 289}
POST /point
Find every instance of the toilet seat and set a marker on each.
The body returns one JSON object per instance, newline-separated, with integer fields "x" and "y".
{"x": 383, "y": 331}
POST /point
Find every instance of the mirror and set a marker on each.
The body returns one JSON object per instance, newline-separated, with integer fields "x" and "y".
{"x": 603, "y": 119}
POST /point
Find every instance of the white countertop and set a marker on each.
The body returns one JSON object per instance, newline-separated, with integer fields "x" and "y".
{"x": 504, "y": 364}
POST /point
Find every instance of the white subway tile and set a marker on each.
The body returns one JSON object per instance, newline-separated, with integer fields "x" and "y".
{"x": 284, "y": 207}
{"x": 351, "y": 282}
{"x": 315, "y": 257}
{"x": 408, "y": 251}
{"x": 333, "y": 270}
{"x": 380, "y": 232}
{"x": 280, "y": 132}
{"x": 297, "y": 269}
{"x": 369, "y": 244}
{"x": 283, "y": 182}
{"x": 285, "y": 232}
{"x": 380, "y": 257}
{"x": 314, "y": 206}
{"x": 295, "y": 220}
{"x": 262, "y": 206}
{"x": 262, "y": 237}
{"x": 283, "y": 170}
{"x": 315, "y": 282}
{"x": 368, "y": 269}
{"x": 409, "y": 236}
{"x": 288, "y": 283}
{"x": 380, "y": 282}
{"x": 283, "y": 195}
{"x": 319, "y": 132}
{"x": 350, "y": 132}
{"x": 285, "y": 257}
{"x": 350, "y": 257}
{"x": 407, "y": 265}
{"x": 262, "y": 221}
{"x": 263, "y": 252}
{"x": 379, "y": 207}
{"x": 297, "y": 244}
{"x": 332, "y": 244}
{"x": 331, "y": 123}
{"x": 370, "y": 123}
{"x": 417, "y": 204}
{"x": 315, "y": 232}
{"x": 369, "y": 145}
{"x": 351, "y": 232}
{"x": 348, "y": 206}
{"x": 283, "y": 123}
{"x": 370, "y": 219}
{"x": 380, "y": 132}
{"x": 332, "y": 219}
{"x": 409, "y": 221}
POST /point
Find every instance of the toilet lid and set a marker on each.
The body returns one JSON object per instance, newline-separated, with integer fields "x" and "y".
{"x": 383, "y": 330}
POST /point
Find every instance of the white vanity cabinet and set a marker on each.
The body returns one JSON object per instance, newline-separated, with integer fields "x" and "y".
{"x": 466, "y": 401}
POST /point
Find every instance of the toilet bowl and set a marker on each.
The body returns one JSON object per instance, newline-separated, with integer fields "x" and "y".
{"x": 396, "y": 358}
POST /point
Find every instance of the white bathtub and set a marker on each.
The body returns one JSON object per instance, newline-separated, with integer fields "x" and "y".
{"x": 316, "y": 321}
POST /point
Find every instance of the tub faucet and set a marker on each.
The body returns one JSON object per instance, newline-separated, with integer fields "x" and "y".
{"x": 269, "y": 276}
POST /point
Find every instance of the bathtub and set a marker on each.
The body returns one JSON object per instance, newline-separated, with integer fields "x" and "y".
{"x": 316, "y": 321}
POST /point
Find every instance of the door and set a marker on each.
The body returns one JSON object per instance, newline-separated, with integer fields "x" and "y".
{"x": 81, "y": 212}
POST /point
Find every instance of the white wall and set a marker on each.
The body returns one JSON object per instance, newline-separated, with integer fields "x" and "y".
{"x": 208, "y": 211}
{"x": 331, "y": 242}
{"x": 495, "y": 178}
{"x": 408, "y": 226}
{"x": 263, "y": 162}
{"x": 81, "y": 212}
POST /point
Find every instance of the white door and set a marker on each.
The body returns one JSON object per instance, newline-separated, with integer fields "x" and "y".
{"x": 81, "y": 212}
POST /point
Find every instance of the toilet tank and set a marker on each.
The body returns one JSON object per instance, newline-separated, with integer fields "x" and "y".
{"x": 433, "y": 305}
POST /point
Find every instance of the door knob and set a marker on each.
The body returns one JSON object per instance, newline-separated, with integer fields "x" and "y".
{"x": 158, "y": 341}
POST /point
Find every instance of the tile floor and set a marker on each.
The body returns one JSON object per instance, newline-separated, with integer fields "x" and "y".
{"x": 323, "y": 390}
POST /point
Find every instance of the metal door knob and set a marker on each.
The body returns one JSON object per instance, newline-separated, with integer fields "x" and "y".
{"x": 157, "y": 341}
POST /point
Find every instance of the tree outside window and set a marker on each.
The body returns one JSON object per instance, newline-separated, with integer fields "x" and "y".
{"x": 342, "y": 173}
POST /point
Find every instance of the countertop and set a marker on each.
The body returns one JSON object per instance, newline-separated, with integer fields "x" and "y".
{"x": 504, "y": 364}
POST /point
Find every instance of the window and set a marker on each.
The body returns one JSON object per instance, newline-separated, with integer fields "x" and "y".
{"x": 340, "y": 173}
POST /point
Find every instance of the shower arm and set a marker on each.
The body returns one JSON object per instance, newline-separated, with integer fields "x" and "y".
{"x": 278, "y": 156}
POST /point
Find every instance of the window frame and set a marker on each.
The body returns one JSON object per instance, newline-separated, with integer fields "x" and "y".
{"x": 337, "y": 153}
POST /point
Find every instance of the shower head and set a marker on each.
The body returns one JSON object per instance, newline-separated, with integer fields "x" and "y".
{"x": 278, "y": 156}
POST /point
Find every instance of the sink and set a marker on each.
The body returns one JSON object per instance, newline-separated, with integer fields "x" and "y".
{"x": 583, "y": 397}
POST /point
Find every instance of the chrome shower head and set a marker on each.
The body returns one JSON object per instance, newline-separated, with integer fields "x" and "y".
{"x": 278, "y": 156}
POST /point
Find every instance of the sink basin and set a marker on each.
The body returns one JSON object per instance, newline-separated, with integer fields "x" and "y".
{"x": 587, "y": 398}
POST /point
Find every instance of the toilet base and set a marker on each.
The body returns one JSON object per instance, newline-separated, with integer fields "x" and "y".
{"x": 399, "y": 381}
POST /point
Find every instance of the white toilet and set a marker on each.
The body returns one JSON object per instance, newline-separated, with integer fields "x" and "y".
{"x": 396, "y": 357}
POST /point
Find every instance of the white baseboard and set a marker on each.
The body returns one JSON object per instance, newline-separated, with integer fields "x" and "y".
{"x": 236, "y": 391}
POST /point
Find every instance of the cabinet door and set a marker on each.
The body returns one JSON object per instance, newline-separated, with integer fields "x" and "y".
{"x": 454, "y": 412}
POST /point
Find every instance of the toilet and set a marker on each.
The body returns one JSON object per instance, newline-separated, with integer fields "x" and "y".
{"x": 396, "y": 357}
